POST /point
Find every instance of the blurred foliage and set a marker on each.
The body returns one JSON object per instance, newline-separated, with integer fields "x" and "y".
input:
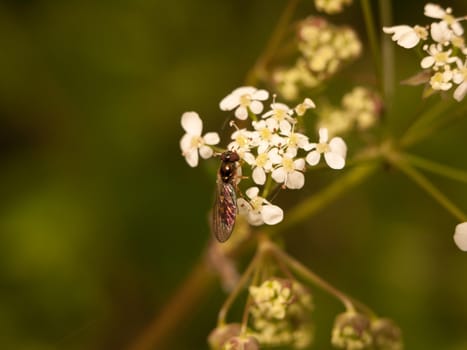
{"x": 101, "y": 218}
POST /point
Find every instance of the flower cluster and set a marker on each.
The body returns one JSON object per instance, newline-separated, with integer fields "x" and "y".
{"x": 444, "y": 46}
{"x": 359, "y": 108}
{"x": 323, "y": 49}
{"x": 331, "y": 6}
{"x": 271, "y": 150}
{"x": 355, "y": 331}
{"x": 281, "y": 314}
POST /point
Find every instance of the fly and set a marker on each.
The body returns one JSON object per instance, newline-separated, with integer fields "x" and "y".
{"x": 225, "y": 205}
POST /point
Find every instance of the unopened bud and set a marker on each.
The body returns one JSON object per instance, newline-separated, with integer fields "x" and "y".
{"x": 386, "y": 335}
{"x": 351, "y": 331}
{"x": 242, "y": 343}
{"x": 219, "y": 335}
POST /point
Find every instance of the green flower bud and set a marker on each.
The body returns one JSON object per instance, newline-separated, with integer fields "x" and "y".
{"x": 241, "y": 343}
{"x": 351, "y": 331}
{"x": 386, "y": 335}
{"x": 219, "y": 335}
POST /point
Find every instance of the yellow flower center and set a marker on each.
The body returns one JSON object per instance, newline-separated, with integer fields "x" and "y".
{"x": 322, "y": 147}
{"x": 288, "y": 164}
{"x": 245, "y": 100}
{"x": 261, "y": 160}
{"x": 196, "y": 141}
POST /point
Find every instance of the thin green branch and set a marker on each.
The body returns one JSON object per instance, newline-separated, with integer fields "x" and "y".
{"x": 436, "y": 168}
{"x": 425, "y": 184}
{"x": 313, "y": 204}
{"x": 274, "y": 42}
{"x": 372, "y": 38}
{"x": 387, "y": 49}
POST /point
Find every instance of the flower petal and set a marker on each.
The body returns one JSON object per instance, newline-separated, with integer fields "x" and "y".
{"x": 185, "y": 143}
{"x": 334, "y": 160}
{"x": 211, "y": 138}
{"x": 279, "y": 175}
{"x": 205, "y": 152}
{"x": 313, "y": 158}
{"x": 261, "y": 95}
{"x": 460, "y": 92}
{"x": 256, "y": 107}
{"x": 434, "y": 11}
{"x": 192, "y": 123}
{"x": 427, "y": 62}
{"x": 323, "y": 135}
{"x": 337, "y": 145}
{"x": 252, "y": 192}
{"x": 191, "y": 157}
{"x": 295, "y": 180}
{"x": 243, "y": 206}
{"x": 272, "y": 214}
{"x": 259, "y": 176}
{"x": 255, "y": 218}
{"x": 241, "y": 113}
{"x": 460, "y": 236}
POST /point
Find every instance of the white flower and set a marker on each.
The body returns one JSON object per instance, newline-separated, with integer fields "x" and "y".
{"x": 440, "y": 32}
{"x": 294, "y": 141}
{"x": 262, "y": 164}
{"x": 301, "y": 108}
{"x": 460, "y": 77}
{"x": 289, "y": 172}
{"x": 279, "y": 117}
{"x": 258, "y": 210}
{"x": 243, "y": 141}
{"x": 334, "y": 151}
{"x": 406, "y": 36}
{"x": 437, "y": 57}
{"x": 265, "y": 137}
{"x": 192, "y": 141}
{"x": 460, "y": 236}
{"x": 242, "y": 99}
{"x": 436, "y": 11}
{"x": 441, "y": 80}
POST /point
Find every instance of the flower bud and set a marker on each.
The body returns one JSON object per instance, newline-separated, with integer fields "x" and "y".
{"x": 241, "y": 343}
{"x": 219, "y": 335}
{"x": 351, "y": 331}
{"x": 386, "y": 335}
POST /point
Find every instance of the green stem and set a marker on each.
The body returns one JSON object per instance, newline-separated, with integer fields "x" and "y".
{"x": 424, "y": 183}
{"x": 309, "y": 275}
{"x": 424, "y": 118}
{"x": 318, "y": 201}
{"x": 436, "y": 168}
{"x": 274, "y": 42}
{"x": 388, "y": 67}
{"x": 238, "y": 288}
{"x": 372, "y": 38}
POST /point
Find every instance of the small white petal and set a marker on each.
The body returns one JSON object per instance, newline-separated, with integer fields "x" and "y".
{"x": 249, "y": 158}
{"x": 299, "y": 164}
{"x": 337, "y": 145}
{"x": 274, "y": 156}
{"x": 272, "y": 214}
{"x": 279, "y": 175}
{"x": 261, "y": 95}
{"x": 244, "y": 90}
{"x": 308, "y": 102}
{"x": 229, "y": 102}
{"x": 243, "y": 206}
{"x": 427, "y": 62}
{"x": 434, "y": 11}
{"x": 285, "y": 127}
{"x": 252, "y": 192}
{"x": 259, "y": 176}
{"x": 256, "y": 107}
{"x": 192, "y": 123}
{"x": 323, "y": 135}
{"x": 460, "y": 236}
{"x": 460, "y": 92}
{"x": 409, "y": 40}
{"x": 313, "y": 158}
{"x": 211, "y": 138}
{"x": 255, "y": 218}
{"x": 241, "y": 113}
{"x": 192, "y": 157}
{"x": 334, "y": 160}
{"x": 457, "y": 28}
{"x": 295, "y": 180}
{"x": 185, "y": 143}
{"x": 205, "y": 152}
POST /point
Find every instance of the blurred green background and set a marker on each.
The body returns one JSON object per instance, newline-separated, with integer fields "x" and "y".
{"x": 101, "y": 218}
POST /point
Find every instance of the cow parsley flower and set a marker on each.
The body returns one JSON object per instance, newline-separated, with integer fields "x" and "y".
{"x": 436, "y": 11}
{"x": 279, "y": 117}
{"x": 262, "y": 163}
{"x": 258, "y": 210}
{"x": 437, "y": 57}
{"x": 192, "y": 141}
{"x": 289, "y": 172}
{"x": 334, "y": 151}
{"x": 242, "y": 99}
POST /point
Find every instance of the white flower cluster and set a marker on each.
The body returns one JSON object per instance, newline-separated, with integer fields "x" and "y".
{"x": 323, "y": 49}
{"x": 331, "y": 6}
{"x": 359, "y": 108}
{"x": 444, "y": 45}
{"x": 281, "y": 314}
{"x": 271, "y": 149}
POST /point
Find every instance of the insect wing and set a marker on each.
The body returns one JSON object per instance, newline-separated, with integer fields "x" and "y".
{"x": 224, "y": 211}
